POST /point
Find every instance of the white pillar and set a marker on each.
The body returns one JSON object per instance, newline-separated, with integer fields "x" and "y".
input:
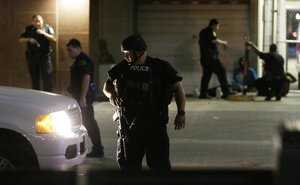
{"x": 261, "y": 28}
{"x": 268, "y": 24}
{"x": 281, "y": 28}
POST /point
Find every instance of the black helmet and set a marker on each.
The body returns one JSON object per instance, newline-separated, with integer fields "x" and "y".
{"x": 134, "y": 42}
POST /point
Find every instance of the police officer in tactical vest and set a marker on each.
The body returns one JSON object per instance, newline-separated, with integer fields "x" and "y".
{"x": 143, "y": 87}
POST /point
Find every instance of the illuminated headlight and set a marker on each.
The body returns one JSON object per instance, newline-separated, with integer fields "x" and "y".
{"x": 57, "y": 122}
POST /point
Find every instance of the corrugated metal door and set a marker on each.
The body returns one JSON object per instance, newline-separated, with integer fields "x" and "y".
{"x": 171, "y": 30}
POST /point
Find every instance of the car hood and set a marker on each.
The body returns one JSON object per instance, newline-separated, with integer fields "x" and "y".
{"x": 32, "y": 100}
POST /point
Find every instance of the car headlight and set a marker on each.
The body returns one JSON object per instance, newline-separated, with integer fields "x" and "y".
{"x": 56, "y": 122}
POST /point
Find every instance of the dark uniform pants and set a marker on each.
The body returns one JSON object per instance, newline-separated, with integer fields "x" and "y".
{"x": 275, "y": 87}
{"x": 41, "y": 64}
{"x": 152, "y": 141}
{"x": 209, "y": 67}
{"x": 88, "y": 119}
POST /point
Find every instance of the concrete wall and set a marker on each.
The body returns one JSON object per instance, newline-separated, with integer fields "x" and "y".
{"x": 72, "y": 22}
{"x": 116, "y": 21}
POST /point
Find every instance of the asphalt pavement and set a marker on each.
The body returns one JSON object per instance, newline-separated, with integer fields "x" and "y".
{"x": 218, "y": 134}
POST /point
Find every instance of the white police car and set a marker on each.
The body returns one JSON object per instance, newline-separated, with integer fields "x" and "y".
{"x": 40, "y": 130}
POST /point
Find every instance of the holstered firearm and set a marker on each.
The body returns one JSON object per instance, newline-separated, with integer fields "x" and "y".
{"x": 123, "y": 128}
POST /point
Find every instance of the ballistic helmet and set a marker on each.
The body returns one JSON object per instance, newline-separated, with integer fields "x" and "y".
{"x": 133, "y": 42}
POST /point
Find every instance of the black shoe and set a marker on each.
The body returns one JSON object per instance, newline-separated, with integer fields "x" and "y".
{"x": 204, "y": 97}
{"x": 94, "y": 154}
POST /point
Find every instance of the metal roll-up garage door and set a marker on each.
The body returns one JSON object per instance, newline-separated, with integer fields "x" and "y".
{"x": 171, "y": 30}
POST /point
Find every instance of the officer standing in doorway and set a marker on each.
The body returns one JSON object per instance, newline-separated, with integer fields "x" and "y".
{"x": 143, "y": 87}
{"x": 38, "y": 54}
{"x": 83, "y": 90}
